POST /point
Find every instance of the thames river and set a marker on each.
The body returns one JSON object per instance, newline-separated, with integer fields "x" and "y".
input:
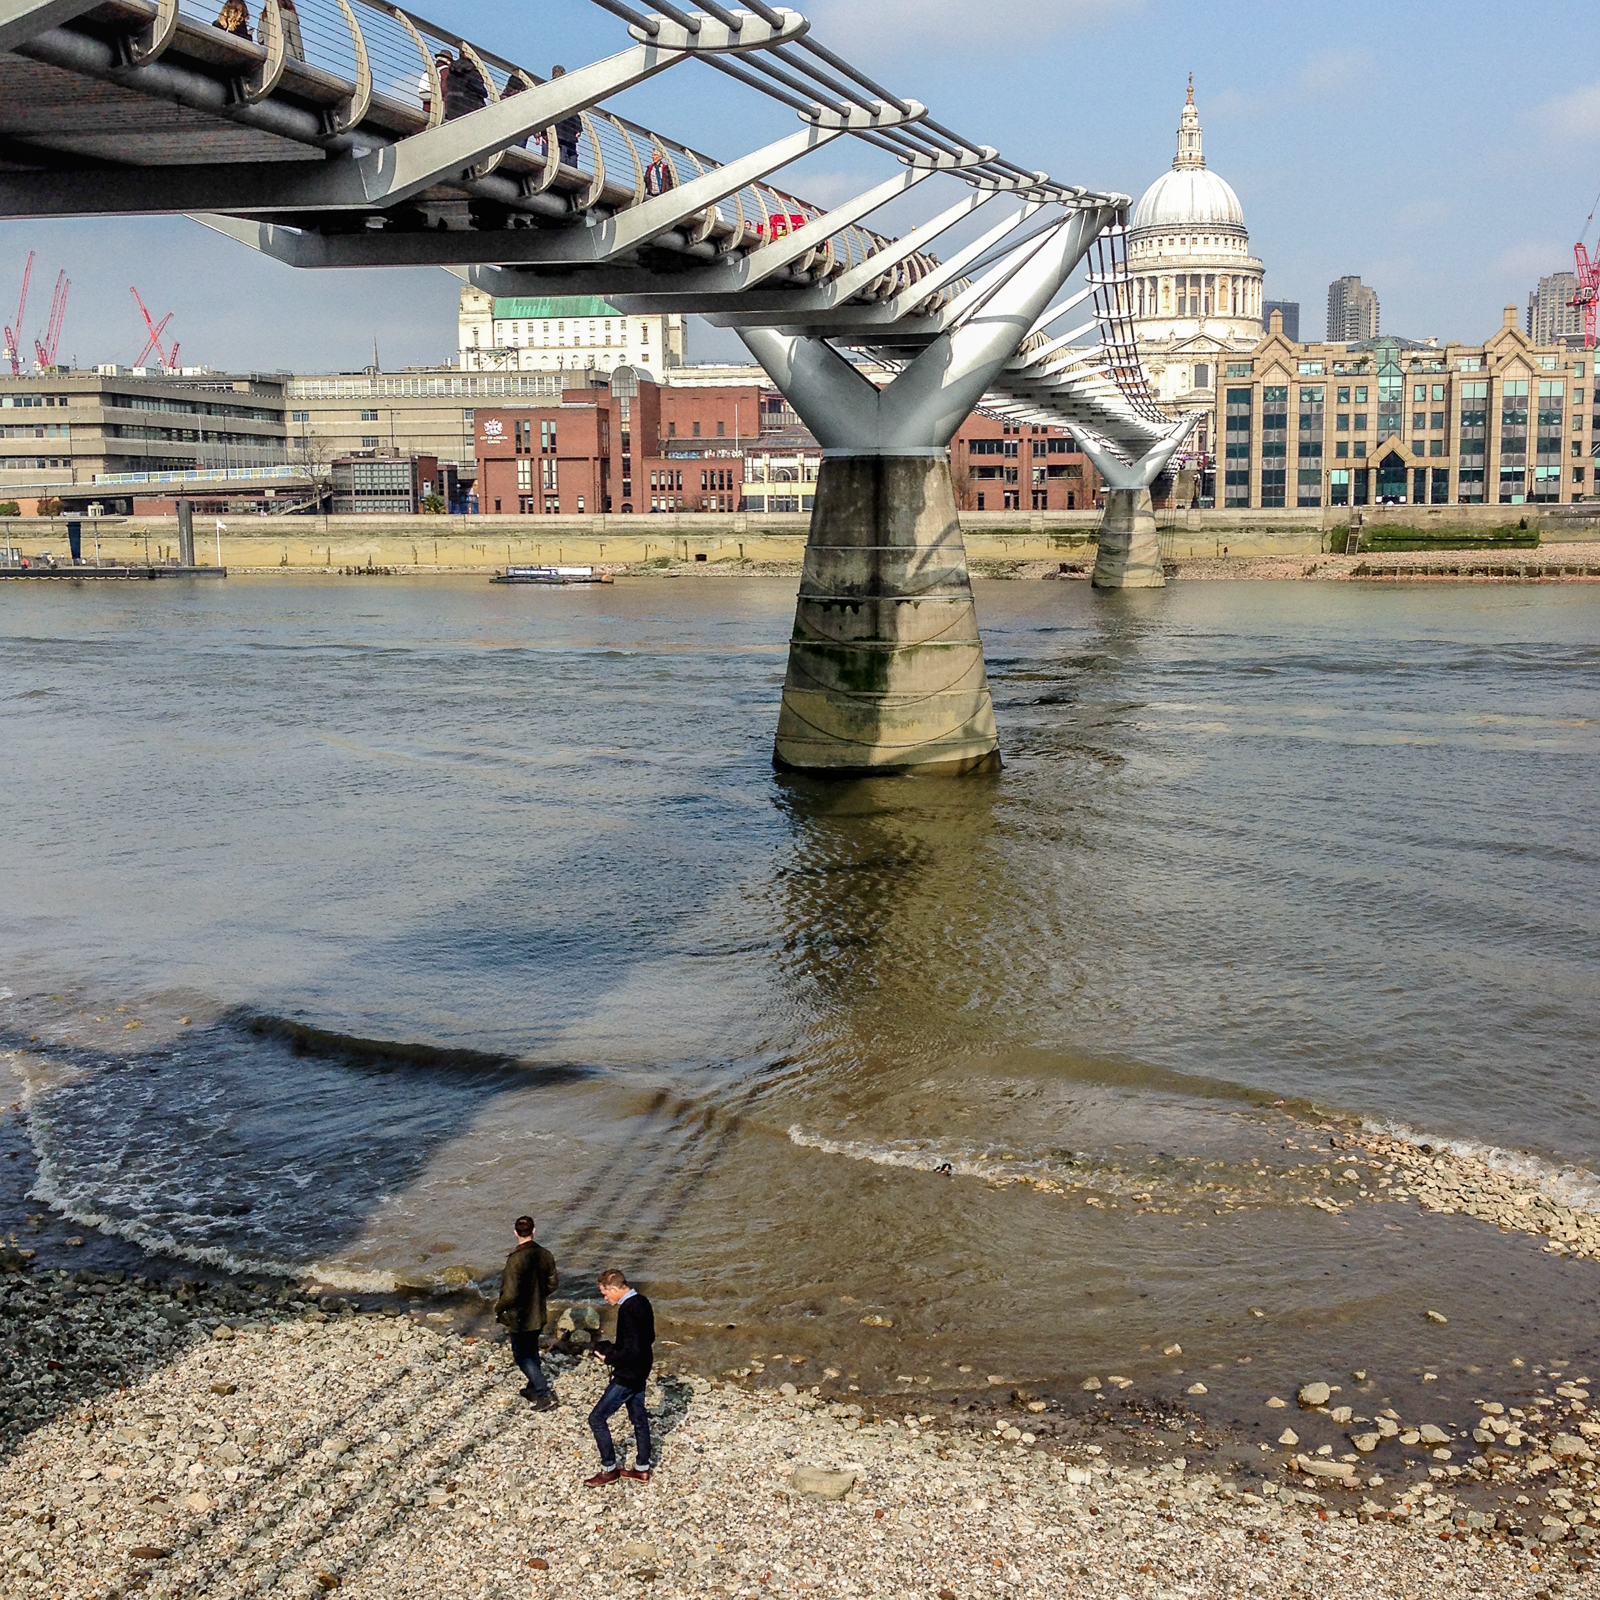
{"x": 486, "y": 900}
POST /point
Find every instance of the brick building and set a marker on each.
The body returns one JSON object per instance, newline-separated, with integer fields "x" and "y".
{"x": 1012, "y": 466}
{"x": 637, "y": 447}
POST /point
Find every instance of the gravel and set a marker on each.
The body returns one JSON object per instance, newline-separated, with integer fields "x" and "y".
{"x": 224, "y": 1441}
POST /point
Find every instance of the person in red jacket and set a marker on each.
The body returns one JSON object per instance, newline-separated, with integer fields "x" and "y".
{"x": 630, "y": 1356}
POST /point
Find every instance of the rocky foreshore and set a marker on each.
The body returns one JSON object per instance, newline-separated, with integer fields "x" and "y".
{"x": 185, "y": 1440}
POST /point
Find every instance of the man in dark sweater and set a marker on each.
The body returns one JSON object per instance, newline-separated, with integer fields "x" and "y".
{"x": 630, "y": 1357}
{"x": 528, "y": 1281}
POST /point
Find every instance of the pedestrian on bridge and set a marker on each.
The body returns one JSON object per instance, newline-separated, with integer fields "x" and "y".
{"x": 526, "y": 1284}
{"x": 630, "y": 1356}
{"x": 234, "y": 18}
{"x": 568, "y": 130}
{"x": 464, "y": 89}
{"x": 659, "y": 176}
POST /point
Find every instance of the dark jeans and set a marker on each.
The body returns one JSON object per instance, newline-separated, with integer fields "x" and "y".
{"x": 525, "y": 1352}
{"x": 617, "y": 1396}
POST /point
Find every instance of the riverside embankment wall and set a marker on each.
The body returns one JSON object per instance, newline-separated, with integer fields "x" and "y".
{"x": 474, "y": 544}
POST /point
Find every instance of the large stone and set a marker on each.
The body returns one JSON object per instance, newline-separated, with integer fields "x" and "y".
{"x": 822, "y": 1483}
{"x": 886, "y": 670}
{"x": 1314, "y": 1394}
{"x": 1129, "y": 556}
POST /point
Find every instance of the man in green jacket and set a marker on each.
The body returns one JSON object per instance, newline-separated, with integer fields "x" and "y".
{"x": 527, "y": 1282}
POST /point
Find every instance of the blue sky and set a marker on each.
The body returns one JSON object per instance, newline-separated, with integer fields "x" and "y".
{"x": 1448, "y": 153}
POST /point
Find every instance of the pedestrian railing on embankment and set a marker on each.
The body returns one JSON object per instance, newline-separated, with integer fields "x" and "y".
{"x": 1518, "y": 571}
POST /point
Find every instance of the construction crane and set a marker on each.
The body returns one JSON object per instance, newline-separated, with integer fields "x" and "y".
{"x": 46, "y": 351}
{"x": 167, "y": 359}
{"x": 1588, "y": 290}
{"x": 14, "y": 332}
{"x": 1588, "y": 275}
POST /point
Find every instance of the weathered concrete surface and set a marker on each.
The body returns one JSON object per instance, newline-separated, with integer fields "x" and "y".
{"x": 1129, "y": 555}
{"x": 886, "y": 669}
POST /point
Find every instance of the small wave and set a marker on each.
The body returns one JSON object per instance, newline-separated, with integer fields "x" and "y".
{"x": 158, "y": 1241}
{"x": 1055, "y": 1172}
{"x": 930, "y": 1156}
{"x": 305, "y": 1040}
{"x": 1575, "y": 1186}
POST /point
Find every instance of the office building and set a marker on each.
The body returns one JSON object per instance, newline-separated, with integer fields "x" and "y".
{"x": 1506, "y": 422}
{"x": 1352, "y": 312}
{"x": 63, "y": 434}
{"x": 1289, "y": 310}
{"x": 575, "y": 333}
{"x": 1552, "y": 317}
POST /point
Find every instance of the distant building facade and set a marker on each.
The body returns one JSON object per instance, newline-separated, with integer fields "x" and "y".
{"x": 1506, "y": 422}
{"x": 625, "y": 444}
{"x": 1552, "y": 316}
{"x": 66, "y": 431}
{"x": 385, "y": 485}
{"x": 1352, "y": 312}
{"x": 574, "y": 333}
{"x": 1289, "y": 310}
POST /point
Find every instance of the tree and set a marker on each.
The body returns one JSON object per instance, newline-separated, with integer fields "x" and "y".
{"x": 312, "y": 453}
{"x": 961, "y": 483}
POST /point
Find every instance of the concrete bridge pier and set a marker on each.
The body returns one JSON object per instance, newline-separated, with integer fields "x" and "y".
{"x": 1129, "y": 556}
{"x": 886, "y": 670}
{"x": 1130, "y": 548}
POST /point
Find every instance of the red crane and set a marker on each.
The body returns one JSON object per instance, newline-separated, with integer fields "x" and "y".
{"x": 46, "y": 352}
{"x": 1588, "y": 290}
{"x": 168, "y": 359}
{"x": 14, "y": 333}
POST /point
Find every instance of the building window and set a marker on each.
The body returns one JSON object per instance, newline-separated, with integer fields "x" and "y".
{"x": 1202, "y": 375}
{"x": 299, "y": 416}
{"x": 1240, "y": 369}
{"x": 696, "y": 430}
{"x": 369, "y": 416}
{"x": 1310, "y": 487}
{"x": 369, "y": 441}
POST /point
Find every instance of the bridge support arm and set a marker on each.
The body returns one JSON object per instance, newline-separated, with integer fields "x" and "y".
{"x": 886, "y": 670}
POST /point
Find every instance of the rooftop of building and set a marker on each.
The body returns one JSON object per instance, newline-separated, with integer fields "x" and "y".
{"x": 1190, "y": 195}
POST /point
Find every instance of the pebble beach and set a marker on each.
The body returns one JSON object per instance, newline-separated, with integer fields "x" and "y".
{"x": 188, "y": 1438}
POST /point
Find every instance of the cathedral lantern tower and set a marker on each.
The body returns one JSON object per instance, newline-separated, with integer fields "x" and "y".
{"x": 1189, "y": 251}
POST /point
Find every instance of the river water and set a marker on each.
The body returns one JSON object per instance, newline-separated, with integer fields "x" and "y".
{"x": 480, "y": 900}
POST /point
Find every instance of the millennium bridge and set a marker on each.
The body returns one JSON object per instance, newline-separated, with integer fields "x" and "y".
{"x": 329, "y": 133}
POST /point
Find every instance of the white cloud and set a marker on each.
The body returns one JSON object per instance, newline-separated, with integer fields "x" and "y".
{"x": 908, "y": 25}
{"x": 1574, "y": 115}
{"x": 1529, "y": 259}
{"x": 1334, "y": 72}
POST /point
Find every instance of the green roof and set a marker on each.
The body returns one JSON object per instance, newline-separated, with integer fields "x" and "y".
{"x": 533, "y": 308}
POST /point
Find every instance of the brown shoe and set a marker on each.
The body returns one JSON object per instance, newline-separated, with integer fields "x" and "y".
{"x": 601, "y": 1479}
{"x": 640, "y": 1475}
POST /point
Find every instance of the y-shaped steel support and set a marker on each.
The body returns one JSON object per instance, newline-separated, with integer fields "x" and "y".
{"x": 1129, "y": 555}
{"x": 886, "y": 669}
